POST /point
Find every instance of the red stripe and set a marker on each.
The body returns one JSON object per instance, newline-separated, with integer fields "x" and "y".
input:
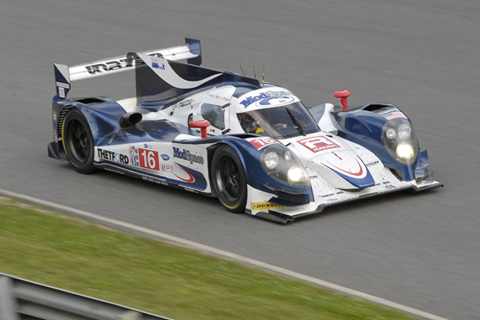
{"x": 354, "y": 174}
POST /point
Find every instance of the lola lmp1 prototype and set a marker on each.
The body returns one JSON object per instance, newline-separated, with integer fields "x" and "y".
{"x": 252, "y": 145}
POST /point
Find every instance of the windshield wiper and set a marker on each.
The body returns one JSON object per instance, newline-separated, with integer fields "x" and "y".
{"x": 296, "y": 122}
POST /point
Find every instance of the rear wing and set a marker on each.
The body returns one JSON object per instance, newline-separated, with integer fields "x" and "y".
{"x": 64, "y": 74}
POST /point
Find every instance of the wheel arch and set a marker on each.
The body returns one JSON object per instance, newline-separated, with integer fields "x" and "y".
{"x": 102, "y": 117}
{"x": 211, "y": 151}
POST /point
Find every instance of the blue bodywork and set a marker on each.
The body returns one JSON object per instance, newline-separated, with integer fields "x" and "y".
{"x": 363, "y": 125}
{"x": 102, "y": 114}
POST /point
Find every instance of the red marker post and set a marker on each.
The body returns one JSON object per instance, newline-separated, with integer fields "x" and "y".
{"x": 202, "y": 124}
{"x": 343, "y": 95}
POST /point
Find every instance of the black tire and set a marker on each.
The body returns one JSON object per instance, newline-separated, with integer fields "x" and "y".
{"x": 229, "y": 180}
{"x": 78, "y": 142}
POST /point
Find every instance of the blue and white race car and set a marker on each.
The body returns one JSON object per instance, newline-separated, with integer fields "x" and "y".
{"x": 252, "y": 145}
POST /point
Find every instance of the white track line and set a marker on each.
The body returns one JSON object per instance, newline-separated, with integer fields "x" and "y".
{"x": 225, "y": 254}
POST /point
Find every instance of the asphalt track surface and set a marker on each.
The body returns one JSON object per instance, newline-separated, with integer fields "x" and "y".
{"x": 420, "y": 250}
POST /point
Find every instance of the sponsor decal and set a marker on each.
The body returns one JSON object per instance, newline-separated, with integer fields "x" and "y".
{"x": 380, "y": 183}
{"x": 265, "y": 205}
{"x": 148, "y": 159}
{"x": 55, "y": 136}
{"x": 372, "y": 163}
{"x": 166, "y": 167}
{"x": 331, "y": 194}
{"x": 112, "y": 156}
{"x": 395, "y": 115}
{"x": 266, "y": 95}
{"x": 182, "y": 104}
{"x": 284, "y": 99}
{"x": 55, "y": 116}
{"x": 145, "y": 145}
{"x": 62, "y": 85}
{"x": 165, "y": 157}
{"x": 382, "y": 112}
{"x": 390, "y": 187}
{"x": 187, "y": 155}
{"x": 260, "y": 143}
{"x": 337, "y": 200}
{"x": 107, "y": 66}
{"x": 318, "y": 144}
{"x": 154, "y": 180}
{"x": 158, "y": 63}
{"x": 217, "y": 97}
{"x": 133, "y": 156}
{"x": 114, "y": 65}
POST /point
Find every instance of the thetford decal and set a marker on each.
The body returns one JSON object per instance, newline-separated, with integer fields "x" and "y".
{"x": 260, "y": 143}
{"x": 317, "y": 144}
{"x": 113, "y": 156}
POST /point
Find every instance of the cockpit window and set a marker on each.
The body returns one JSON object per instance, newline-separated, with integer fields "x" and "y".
{"x": 214, "y": 115}
{"x": 280, "y": 122}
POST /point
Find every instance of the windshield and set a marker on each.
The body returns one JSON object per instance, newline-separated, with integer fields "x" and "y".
{"x": 280, "y": 122}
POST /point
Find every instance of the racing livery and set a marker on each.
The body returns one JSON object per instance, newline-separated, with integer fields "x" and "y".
{"x": 251, "y": 144}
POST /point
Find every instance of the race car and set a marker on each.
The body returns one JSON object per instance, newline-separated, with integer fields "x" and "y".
{"x": 251, "y": 144}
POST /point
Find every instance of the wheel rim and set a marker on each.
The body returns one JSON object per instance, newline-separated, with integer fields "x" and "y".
{"x": 78, "y": 141}
{"x": 229, "y": 179}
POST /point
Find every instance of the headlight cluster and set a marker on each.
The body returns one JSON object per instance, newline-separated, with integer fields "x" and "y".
{"x": 400, "y": 139}
{"x": 282, "y": 165}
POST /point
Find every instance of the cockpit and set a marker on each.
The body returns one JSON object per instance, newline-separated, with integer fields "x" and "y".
{"x": 279, "y": 122}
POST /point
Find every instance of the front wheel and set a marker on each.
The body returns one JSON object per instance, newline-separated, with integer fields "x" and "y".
{"x": 229, "y": 179}
{"x": 78, "y": 141}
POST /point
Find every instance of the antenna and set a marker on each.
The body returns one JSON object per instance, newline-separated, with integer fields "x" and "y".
{"x": 254, "y": 74}
{"x": 263, "y": 76}
{"x": 243, "y": 71}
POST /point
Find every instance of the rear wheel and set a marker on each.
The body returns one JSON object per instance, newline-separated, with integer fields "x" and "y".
{"x": 229, "y": 179}
{"x": 78, "y": 141}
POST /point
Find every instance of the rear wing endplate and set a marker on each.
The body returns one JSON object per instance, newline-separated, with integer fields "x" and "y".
{"x": 64, "y": 74}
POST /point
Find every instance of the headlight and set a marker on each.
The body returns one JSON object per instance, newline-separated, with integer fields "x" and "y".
{"x": 283, "y": 166}
{"x": 271, "y": 160}
{"x": 400, "y": 140}
{"x": 391, "y": 133}
{"x": 296, "y": 174}
{"x": 288, "y": 156}
{"x": 405, "y": 153}
{"x": 404, "y": 131}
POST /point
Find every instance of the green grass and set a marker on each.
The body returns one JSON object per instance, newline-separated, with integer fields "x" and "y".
{"x": 157, "y": 277}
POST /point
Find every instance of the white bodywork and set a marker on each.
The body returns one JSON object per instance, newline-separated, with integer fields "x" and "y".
{"x": 323, "y": 154}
